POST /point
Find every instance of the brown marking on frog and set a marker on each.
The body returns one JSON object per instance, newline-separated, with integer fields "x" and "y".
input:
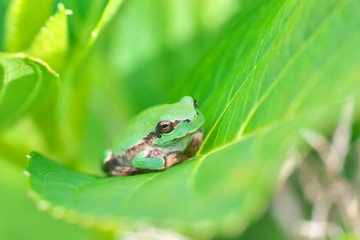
{"x": 154, "y": 153}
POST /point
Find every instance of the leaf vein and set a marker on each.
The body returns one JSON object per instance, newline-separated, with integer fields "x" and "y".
{"x": 289, "y": 63}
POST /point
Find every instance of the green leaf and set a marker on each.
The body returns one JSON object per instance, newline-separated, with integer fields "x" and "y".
{"x": 25, "y": 85}
{"x": 20, "y": 219}
{"x": 51, "y": 43}
{"x": 282, "y": 66}
{"x": 24, "y": 19}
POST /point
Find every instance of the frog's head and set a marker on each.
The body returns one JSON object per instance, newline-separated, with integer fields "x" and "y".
{"x": 180, "y": 120}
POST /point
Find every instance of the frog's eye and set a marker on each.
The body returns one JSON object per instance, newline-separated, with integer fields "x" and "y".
{"x": 165, "y": 126}
{"x": 195, "y": 103}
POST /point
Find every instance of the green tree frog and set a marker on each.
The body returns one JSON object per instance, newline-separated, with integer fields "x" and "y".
{"x": 156, "y": 139}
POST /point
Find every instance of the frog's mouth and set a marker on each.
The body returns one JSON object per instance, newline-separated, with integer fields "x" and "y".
{"x": 185, "y": 135}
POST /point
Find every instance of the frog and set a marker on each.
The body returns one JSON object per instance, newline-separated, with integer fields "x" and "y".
{"x": 156, "y": 139}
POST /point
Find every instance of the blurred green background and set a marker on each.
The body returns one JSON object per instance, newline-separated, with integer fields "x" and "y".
{"x": 109, "y": 85}
{"x": 152, "y": 52}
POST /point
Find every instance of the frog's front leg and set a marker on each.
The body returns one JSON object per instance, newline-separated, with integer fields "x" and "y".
{"x": 113, "y": 167}
{"x": 123, "y": 171}
{"x": 195, "y": 144}
{"x": 174, "y": 158}
{"x": 150, "y": 160}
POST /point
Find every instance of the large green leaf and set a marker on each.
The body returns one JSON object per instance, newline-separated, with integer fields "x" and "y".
{"x": 282, "y": 66}
{"x": 25, "y": 84}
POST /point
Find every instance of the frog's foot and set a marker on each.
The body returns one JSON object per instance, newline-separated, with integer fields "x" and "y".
{"x": 174, "y": 158}
{"x": 150, "y": 160}
{"x": 109, "y": 161}
{"x": 113, "y": 167}
{"x": 122, "y": 171}
{"x": 195, "y": 144}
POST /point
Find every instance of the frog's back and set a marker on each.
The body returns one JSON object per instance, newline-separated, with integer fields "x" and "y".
{"x": 137, "y": 129}
{"x": 144, "y": 123}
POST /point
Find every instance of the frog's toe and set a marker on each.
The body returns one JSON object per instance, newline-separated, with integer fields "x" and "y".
{"x": 123, "y": 171}
{"x": 149, "y": 163}
{"x": 149, "y": 160}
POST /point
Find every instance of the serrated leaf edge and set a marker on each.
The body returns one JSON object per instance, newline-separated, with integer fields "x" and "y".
{"x": 27, "y": 56}
{"x": 233, "y": 224}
